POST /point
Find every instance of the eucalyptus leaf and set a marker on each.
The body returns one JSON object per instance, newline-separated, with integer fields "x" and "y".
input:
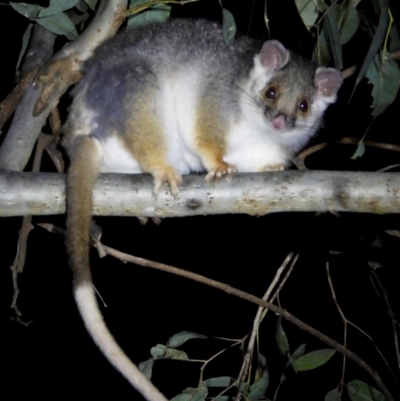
{"x": 261, "y": 361}
{"x": 57, "y": 6}
{"x": 244, "y": 388}
{"x": 360, "y": 391}
{"x": 176, "y": 354}
{"x": 281, "y": 339}
{"x": 81, "y": 6}
{"x": 308, "y": 12}
{"x": 333, "y": 395}
{"x": 320, "y": 5}
{"x": 376, "y": 41}
{"x": 27, "y": 10}
{"x": 292, "y": 362}
{"x": 353, "y": 3}
{"x": 180, "y": 338}
{"x": 155, "y": 13}
{"x": 314, "y": 359}
{"x": 374, "y": 265}
{"x": 350, "y": 25}
{"x": 59, "y": 24}
{"x": 359, "y": 151}
{"x": 146, "y": 367}
{"x": 222, "y": 398}
{"x": 91, "y": 3}
{"x": 394, "y": 233}
{"x": 197, "y": 394}
{"x": 334, "y": 35}
{"x": 296, "y": 355}
{"x": 321, "y": 52}
{"x": 299, "y": 351}
{"x": 228, "y": 27}
{"x": 158, "y": 351}
{"x": 182, "y": 397}
{"x": 259, "y": 387}
{"x": 223, "y": 381}
{"x": 385, "y": 77}
{"x": 377, "y": 243}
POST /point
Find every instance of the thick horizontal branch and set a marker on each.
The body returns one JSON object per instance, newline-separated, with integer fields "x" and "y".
{"x": 254, "y": 194}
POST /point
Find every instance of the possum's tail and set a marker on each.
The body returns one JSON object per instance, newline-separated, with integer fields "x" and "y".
{"x": 85, "y": 154}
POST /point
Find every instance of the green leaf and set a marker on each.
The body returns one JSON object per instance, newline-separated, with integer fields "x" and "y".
{"x": 321, "y": 51}
{"x": 158, "y": 351}
{"x": 376, "y": 41}
{"x": 146, "y": 367}
{"x": 176, "y": 354}
{"x": 82, "y": 6}
{"x": 222, "y": 398}
{"x": 25, "y": 41}
{"x": 281, "y": 339}
{"x": 260, "y": 386}
{"x": 223, "y": 381}
{"x": 359, "y": 151}
{"x": 360, "y": 391}
{"x": 333, "y": 395}
{"x": 385, "y": 77}
{"x": 228, "y": 27}
{"x": 59, "y": 24}
{"x": 180, "y": 338}
{"x": 196, "y": 394}
{"x": 27, "y": 10}
{"x": 299, "y": 351}
{"x": 308, "y": 12}
{"x": 91, "y": 3}
{"x": 292, "y": 362}
{"x": 334, "y": 35}
{"x": 261, "y": 362}
{"x": 374, "y": 265}
{"x": 244, "y": 388}
{"x": 57, "y": 6}
{"x": 350, "y": 25}
{"x": 156, "y": 13}
{"x": 377, "y": 243}
{"x": 314, "y": 359}
{"x": 182, "y": 397}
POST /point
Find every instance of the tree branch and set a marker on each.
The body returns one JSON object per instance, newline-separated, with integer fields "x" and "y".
{"x": 254, "y": 194}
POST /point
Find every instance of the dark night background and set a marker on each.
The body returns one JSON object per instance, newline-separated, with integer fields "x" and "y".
{"x": 54, "y": 356}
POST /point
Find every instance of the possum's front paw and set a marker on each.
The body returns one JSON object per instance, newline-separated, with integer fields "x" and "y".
{"x": 219, "y": 171}
{"x": 274, "y": 167}
{"x": 169, "y": 174}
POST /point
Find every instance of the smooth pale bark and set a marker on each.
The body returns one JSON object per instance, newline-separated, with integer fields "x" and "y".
{"x": 253, "y": 194}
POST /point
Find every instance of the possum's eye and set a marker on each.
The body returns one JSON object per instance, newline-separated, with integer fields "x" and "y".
{"x": 271, "y": 93}
{"x": 303, "y": 106}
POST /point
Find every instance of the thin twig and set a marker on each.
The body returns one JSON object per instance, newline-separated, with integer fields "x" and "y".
{"x": 256, "y": 323}
{"x": 345, "y": 141}
{"x": 392, "y": 316}
{"x": 344, "y": 322}
{"x": 17, "y": 266}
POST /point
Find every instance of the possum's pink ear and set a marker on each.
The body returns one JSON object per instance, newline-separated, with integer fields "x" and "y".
{"x": 273, "y": 55}
{"x": 328, "y": 81}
